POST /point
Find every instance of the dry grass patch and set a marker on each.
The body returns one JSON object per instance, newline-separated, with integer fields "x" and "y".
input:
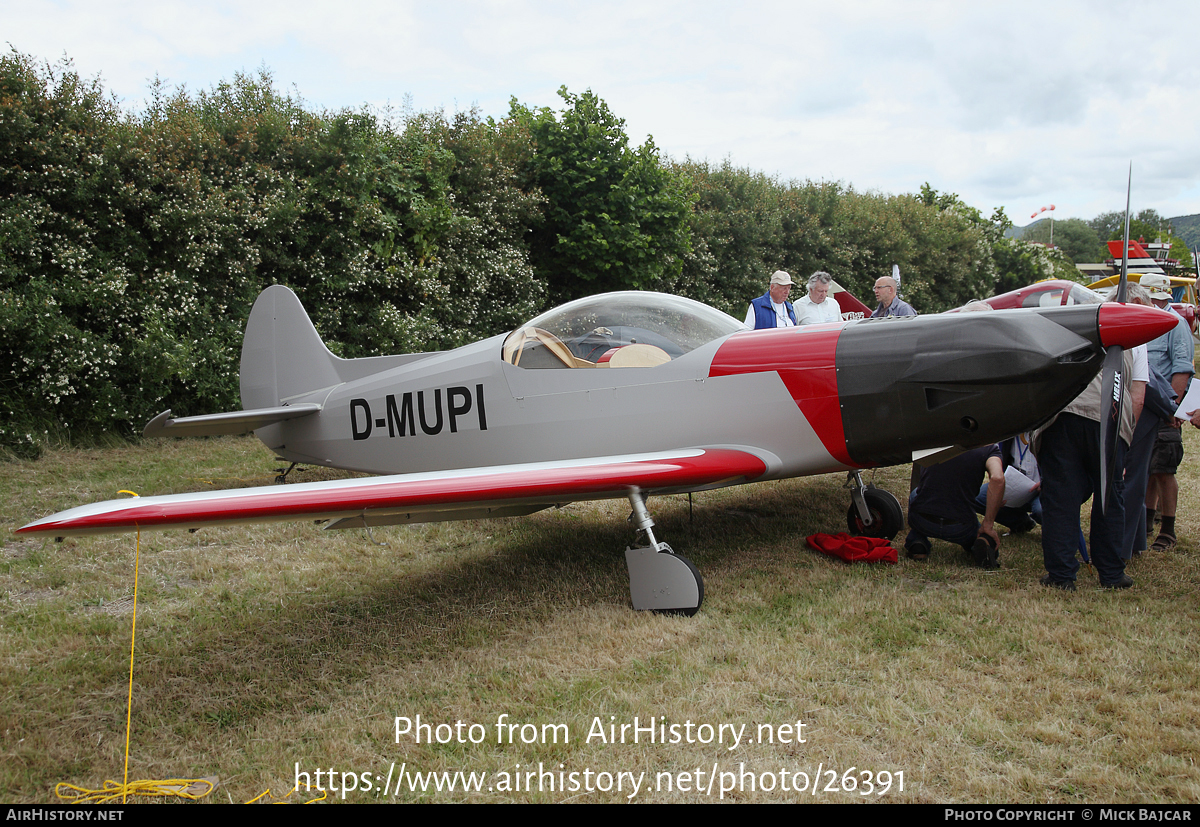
{"x": 267, "y": 646}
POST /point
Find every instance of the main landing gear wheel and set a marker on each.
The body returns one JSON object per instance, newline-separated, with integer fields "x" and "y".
{"x": 663, "y": 581}
{"x": 886, "y": 517}
{"x": 659, "y": 579}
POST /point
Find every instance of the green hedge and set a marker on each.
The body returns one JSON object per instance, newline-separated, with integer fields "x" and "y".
{"x": 132, "y": 245}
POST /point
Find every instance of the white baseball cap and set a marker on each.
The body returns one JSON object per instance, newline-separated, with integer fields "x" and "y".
{"x": 1158, "y": 286}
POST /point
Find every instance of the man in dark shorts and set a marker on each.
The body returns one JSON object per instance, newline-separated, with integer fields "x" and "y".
{"x": 1172, "y": 355}
{"x": 942, "y": 505}
{"x": 1163, "y": 487}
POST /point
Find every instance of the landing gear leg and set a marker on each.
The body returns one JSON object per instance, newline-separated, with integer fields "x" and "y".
{"x": 873, "y": 512}
{"x": 282, "y": 476}
{"x": 659, "y": 579}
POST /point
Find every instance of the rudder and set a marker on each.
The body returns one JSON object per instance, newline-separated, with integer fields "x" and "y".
{"x": 282, "y": 353}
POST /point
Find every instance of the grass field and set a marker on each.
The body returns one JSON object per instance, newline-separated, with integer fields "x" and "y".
{"x": 266, "y": 647}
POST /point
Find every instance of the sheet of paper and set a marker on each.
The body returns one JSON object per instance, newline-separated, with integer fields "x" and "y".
{"x": 1191, "y": 400}
{"x": 1018, "y": 488}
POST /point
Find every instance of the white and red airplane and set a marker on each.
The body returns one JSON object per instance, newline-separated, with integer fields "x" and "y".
{"x": 625, "y": 395}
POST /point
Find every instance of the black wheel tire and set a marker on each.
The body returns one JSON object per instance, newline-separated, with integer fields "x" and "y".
{"x": 887, "y": 518}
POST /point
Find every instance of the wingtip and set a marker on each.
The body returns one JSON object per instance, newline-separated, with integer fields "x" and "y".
{"x": 36, "y": 527}
{"x": 157, "y": 427}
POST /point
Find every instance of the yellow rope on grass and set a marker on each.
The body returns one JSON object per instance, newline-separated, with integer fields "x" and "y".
{"x": 137, "y": 559}
{"x": 192, "y": 788}
{"x": 267, "y": 792}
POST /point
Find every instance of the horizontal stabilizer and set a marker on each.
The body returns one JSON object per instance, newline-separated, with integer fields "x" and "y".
{"x": 233, "y": 422}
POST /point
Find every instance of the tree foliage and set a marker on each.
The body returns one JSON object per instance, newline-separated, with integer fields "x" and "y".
{"x": 746, "y": 225}
{"x": 613, "y": 216}
{"x": 1020, "y": 263}
{"x": 1188, "y": 229}
{"x": 1076, "y": 238}
{"x": 133, "y": 245}
{"x": 1146, "y": 225}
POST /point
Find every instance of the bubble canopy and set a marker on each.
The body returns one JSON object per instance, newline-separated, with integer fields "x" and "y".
{"x": 587, "y": 332}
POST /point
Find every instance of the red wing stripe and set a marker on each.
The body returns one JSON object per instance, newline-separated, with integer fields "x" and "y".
{"x": 564, "y": 481}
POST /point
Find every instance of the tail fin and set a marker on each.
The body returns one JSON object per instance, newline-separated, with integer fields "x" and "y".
{"x": 1140, "y": 261}
{"x": 848, "y": 303}
{"x": 282, "y": 353}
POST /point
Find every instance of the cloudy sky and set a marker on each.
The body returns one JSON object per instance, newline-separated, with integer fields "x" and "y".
{"x": 1015, "y": 104}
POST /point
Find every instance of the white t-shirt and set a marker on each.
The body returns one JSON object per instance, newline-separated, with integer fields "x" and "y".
{"x": 1141, "y": 364}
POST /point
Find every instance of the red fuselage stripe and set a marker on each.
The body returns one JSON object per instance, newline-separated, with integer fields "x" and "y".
{"x": 805, "y": 359}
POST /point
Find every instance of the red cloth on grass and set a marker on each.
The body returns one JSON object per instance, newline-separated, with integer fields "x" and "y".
{"x": 854, "y": 549}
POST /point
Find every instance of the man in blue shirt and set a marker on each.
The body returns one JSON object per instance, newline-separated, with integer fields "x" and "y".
{"x": 889, "y": 303}
{"x": 772, "y": 309}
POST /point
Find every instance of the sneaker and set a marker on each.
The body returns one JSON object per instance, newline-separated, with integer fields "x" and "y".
{"x": 1124, "y": 583}
{"x": 985, "y": 553}
{"x": 1065, "y": 585}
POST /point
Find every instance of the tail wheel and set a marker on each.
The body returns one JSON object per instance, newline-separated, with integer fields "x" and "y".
{"x": 886, "y": 517}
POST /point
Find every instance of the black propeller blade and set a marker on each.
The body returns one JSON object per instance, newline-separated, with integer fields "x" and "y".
{"x": 1112, "y": 387}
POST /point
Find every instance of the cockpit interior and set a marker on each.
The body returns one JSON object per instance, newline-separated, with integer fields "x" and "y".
{"x": 616, "y": 330}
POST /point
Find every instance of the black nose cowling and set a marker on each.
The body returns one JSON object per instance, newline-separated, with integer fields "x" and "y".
{"x": 963, "y": 379}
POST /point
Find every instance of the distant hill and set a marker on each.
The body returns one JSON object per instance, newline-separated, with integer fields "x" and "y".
{"x": 1187, "y": 227}
{"x": 1017, "y": 232}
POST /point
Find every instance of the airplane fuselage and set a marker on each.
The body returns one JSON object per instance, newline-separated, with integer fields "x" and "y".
{"x": 467, "y": 408}
{"x": 806, "y": 400}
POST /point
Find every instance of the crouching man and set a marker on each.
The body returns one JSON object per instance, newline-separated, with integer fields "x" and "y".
{"x": 942, "y": 506}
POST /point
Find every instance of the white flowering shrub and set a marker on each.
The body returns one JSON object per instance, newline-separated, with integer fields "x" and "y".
{"x": 132, "y": 246}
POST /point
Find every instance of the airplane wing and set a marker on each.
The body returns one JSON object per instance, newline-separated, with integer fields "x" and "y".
{"x": 470, "y": 493}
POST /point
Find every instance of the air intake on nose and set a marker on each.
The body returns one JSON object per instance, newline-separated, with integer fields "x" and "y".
{"x": 941, "y": 397}
{"x": 1077, "y": 356}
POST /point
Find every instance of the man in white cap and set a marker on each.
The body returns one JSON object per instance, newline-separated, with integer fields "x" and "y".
{"x": 1172, "y": 355}
{"x": 772, "y": 309}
